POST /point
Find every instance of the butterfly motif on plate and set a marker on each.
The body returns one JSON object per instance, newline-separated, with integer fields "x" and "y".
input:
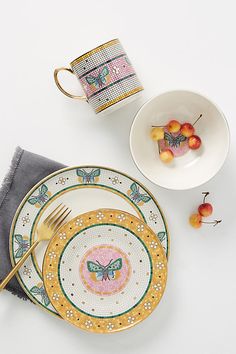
{"x": 174, "y": 141}
{"x": 99, "y": 80}
{"x": 138, "y": 197}
{"x": 39, "y": 290}
{"x": 23, "y": 245}
{"x": 88, "y": 177}
{"x": 41, "y": 198}
{"x": 105, "y": 272}
{"x": 162, "y": 236}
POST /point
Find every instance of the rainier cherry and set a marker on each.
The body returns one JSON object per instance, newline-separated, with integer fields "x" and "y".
{"x": 187, "y": 130}
{"x": 173, "y": 126}
{"x": 157, "y": 133}
{"x": 195, "y": 221}
{"x": 204, "y": 210}
{"x": 194, "y": 142}
{"x": 166, "y": 155}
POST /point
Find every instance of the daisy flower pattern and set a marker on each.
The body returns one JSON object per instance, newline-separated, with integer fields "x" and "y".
{"x": 52, "y": 255}
{"x": 160, "y": 265}
{"x": 62, "y": 181}
{"x": 25, "y": 220}
{"x": 140, "y": 228}
{"x": 153, "y": 216}
{"x": 27, "y": 271}
{"x": 55, "y": 297}
{"x": 110, "y": 326}
{"x": 79, "y": 222}
{"x": 62, "y": 235}
{"x": 121, "y": 217}
{"x": 115, "y": 180}
{"x": 50, "y": 276}
{"x": 157, "y": 287}
{"x": 69, "y": 313}
{"x": 100, "y": 215}
{"x": 131, "y": 319}
{"x": 147, "y": 305}
{"x": 88, "y": 324}
{"x": 153, "y": 244}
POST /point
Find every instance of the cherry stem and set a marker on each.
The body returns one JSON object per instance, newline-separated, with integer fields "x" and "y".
{"x": 158, "y": 126}
{"x": 159, "y": 150}
{"x": 197, "y": 119}
{"x": 214, "y": 223}
{"x": 205, "y": 195}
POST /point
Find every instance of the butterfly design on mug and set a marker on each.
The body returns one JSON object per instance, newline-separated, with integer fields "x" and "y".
{"x": 88, "y": 177}
{"x": 174, "y": 141}
{"x": 41, "y": 198}
{"x": 99, "y": 80}
{"x": 105, "y": 272}
{"x": 138, "y": 197}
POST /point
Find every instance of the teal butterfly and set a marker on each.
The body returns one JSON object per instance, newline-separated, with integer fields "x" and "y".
{"x": 39, "y": 290}
{"x": 23, "y": 246}
{"x": 161, "y": 235}
{"x": 105, "y": 272}
{"x": 99, "y": 80}
{"x": 174, "y": 141}
{"x": 136, "y": 196}
{"x": 88, "y": 177}
{"x": 42, "y": 196}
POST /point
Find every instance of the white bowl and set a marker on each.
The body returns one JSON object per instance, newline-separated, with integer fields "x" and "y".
{"x": 196, "y": 166}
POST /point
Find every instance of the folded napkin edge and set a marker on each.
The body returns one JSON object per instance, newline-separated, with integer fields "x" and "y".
{"x": 9, "y": 177}
{"x": 14, "y": 292}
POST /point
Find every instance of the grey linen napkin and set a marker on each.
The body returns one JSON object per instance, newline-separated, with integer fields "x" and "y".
{"x": 25, "y": 171}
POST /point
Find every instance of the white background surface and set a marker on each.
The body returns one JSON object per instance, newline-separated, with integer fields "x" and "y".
{"x": 172, "y": 44}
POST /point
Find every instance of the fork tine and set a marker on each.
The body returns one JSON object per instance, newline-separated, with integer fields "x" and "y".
{"x": 56, "y": 227}
{"x": 52, "y": 213}
{"x": 55, "y": 216}
{"x": 58, "y": 218}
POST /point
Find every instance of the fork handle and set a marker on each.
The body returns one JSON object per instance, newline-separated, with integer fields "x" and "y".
{"x": 18, "y": 265}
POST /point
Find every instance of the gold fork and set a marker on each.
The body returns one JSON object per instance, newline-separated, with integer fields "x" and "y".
{"x": 45, "y": 232}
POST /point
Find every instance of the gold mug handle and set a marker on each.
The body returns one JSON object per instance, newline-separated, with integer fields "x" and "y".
{"x": 56, "y": 71}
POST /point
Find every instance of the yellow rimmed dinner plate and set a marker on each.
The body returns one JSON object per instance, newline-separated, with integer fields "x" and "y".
{"x": 82, "y": 188}
{"x": 105, "y": 271}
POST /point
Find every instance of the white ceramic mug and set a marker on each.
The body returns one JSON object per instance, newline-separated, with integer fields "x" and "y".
{"x": 106, "y": 75}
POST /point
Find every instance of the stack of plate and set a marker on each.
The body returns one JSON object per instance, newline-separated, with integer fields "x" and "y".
{"x": 105, "y": 269}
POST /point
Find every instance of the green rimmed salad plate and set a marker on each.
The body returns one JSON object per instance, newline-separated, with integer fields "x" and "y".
{"x": 82, "y": 189}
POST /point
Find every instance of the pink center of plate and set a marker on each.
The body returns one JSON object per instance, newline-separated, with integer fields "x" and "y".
{"x": 105, "y": 270}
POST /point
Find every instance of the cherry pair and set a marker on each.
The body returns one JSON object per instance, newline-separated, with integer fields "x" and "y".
{"x": 204, "y": 210}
